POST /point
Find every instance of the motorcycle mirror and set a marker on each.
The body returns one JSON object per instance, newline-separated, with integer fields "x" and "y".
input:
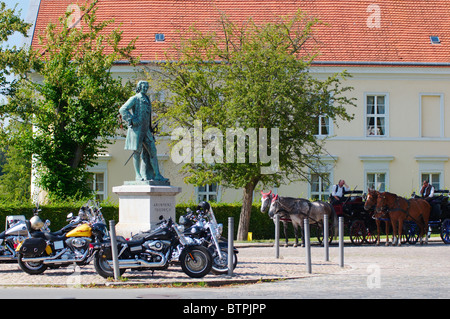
{"x": 161, "y": 217}
{"x": 188, "y": 210}
{"x": 69, "y": 215}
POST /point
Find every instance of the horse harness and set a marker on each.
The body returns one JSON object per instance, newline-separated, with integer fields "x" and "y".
{"x": 397, "y": 203}
{"x": 286, "y": 209}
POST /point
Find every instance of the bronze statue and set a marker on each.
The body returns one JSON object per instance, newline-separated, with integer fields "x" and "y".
{"x": 137, "y": 112}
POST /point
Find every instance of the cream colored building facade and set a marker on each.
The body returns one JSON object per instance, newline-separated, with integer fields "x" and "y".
{"x": 397, "y": 52}
{"x": 399, "y": 136}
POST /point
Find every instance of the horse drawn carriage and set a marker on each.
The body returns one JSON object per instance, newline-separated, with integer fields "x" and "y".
{"x": 359, "y": 222}
{"x": 439, "y": 218}
{"x": 360, "y": 218}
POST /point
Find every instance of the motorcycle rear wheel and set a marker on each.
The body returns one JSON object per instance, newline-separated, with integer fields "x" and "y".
{"x": 196, "y": 261}
{"x": 103, "y": 268}
{"x": 31, "y": 268}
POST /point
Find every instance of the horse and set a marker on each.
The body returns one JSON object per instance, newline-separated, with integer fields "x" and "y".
{"x": 298, "y": 209}
{"x": 401, "y": 209}
{"x": 266, "y": 199}
{"x": 370, "y": 204}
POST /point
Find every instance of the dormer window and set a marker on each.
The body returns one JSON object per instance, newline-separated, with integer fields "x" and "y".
{"x": 159, "y": 37}
{"x": 435, "y": 40}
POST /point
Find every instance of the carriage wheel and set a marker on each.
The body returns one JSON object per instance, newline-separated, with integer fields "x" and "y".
{"x": 358, "y": 232}
{"x": 445, "y": 231}
{"x": 411, "y": 232}
{"x": 371, "y": 236}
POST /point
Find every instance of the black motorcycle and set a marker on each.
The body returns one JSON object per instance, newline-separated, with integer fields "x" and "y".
{"x": 155, "y": 250}
{"x": 203, "y": 226}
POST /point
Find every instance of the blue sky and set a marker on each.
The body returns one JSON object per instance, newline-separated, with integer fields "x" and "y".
{"x": 16, "y": 39}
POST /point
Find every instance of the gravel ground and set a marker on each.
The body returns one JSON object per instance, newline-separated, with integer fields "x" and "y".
{"x": 258, "y": 262}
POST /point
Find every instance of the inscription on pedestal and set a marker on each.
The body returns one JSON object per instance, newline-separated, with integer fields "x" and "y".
{"x": 162, "y": 207}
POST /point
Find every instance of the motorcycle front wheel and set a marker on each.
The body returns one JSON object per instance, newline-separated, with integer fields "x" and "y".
{"x": 196, "y": 261}
{"x": 31, "y": 268}
{"x": 102, "y": 266}
{"x": 220, "y": 265}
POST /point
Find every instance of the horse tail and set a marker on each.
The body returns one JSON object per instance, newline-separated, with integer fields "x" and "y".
{"x": 335, "y": 221}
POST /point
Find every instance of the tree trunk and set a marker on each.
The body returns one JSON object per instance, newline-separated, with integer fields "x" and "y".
{"x": 244, "y": 219}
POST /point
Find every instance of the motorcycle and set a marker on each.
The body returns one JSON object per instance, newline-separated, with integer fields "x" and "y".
{"x": 204, "y": 226}
{"x": 16, "y": 231}
{"x": 155, "y": 250}
{"x": 74, "y": 243}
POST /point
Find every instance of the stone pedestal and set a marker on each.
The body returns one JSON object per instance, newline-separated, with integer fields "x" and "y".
{"x": 141, "y": 204}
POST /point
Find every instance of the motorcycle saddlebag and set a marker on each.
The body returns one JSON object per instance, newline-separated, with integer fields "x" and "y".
{"x": 33, "y": 247}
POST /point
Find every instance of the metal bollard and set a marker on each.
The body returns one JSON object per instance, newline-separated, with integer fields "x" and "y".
{"x": 325, "y": 237}
{"x": 341, "y": 241}
{"x": 230, "y": 245}
{"x": 277, "y": 236}
{"x": 307, "y": 245}
{"x": 112, "y": 233}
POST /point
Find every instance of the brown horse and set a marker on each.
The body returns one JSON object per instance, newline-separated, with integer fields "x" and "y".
{"x": 401, "y": 209}
{"x": 370, "y": 204}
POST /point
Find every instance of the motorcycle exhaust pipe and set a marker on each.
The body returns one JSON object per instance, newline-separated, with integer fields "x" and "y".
{"x": 54, "y": 260}
{"x": 133, "y": 263}
{"x": 63, "y": 261}
{"x": 38, "y": 259}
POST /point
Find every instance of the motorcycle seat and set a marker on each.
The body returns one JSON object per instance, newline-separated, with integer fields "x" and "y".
{"x": 137, "y": 242}
{"x": 54, "y": 236}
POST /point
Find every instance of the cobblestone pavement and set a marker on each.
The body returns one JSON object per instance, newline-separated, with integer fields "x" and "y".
{"x": 254, "y": 264}
{"x": 369, "y": 272}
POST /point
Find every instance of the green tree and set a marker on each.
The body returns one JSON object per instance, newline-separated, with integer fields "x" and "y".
{"x": 16, "y": 169}
{"x": 252, "y": 76}
{"x": 10, "y": 22}
{"x": 15, "y": 182}
{"x": 70, "y": 99}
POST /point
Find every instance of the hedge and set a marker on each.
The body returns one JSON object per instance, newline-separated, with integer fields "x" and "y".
{"x": 261, "y": 225}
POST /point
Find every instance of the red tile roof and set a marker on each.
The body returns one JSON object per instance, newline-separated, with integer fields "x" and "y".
{"x": 354, "y": 33}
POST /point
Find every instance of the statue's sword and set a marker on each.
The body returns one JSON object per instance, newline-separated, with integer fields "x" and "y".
{"x": 154, "y": 129}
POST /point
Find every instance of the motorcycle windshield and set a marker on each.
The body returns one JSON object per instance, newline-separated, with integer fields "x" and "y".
{"x": 211, "y": 216}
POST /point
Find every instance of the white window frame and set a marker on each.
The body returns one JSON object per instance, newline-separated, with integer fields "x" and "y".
{"x": 375, "y": 164}
{"x": 103, "y": 193}
{"x": 321, "y": 194}
{"x": 208, "y": 193}
{"x": 326, "y": 165}
{"x": 432, "y": 165}
{"x": 330, "y": 126}
{"x": 367, "y": 173}
{"x": 102, "y": 167}
{"x": 385, "y": 116}
{"x": 430, "y": 180}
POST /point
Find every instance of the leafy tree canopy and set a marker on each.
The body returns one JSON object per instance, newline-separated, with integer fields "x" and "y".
{"x": 67, "y": 93}
{"x": 252, "y": 76}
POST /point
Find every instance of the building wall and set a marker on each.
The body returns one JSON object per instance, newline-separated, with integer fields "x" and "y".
{"x": 416, "y": 140}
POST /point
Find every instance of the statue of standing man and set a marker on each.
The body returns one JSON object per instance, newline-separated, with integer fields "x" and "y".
{"x": 137, "y": 112}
